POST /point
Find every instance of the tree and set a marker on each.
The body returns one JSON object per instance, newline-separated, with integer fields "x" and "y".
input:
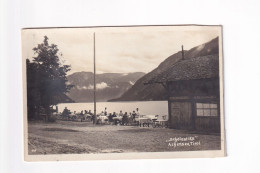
{"x": 46, "y": 78}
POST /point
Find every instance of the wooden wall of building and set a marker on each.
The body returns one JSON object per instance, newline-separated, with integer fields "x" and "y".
{"x": 180, "y": 115}
{"x": 211, "y": 124}
{"x": 183, "y": 96}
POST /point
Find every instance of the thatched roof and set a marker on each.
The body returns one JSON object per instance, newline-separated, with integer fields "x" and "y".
{"x": 190, "y": 69}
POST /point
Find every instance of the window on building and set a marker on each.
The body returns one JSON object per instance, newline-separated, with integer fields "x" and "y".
{"x": 207, "y": 109}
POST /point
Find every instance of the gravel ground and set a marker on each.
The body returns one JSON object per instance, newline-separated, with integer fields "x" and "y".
{"x": 64, "y": 137}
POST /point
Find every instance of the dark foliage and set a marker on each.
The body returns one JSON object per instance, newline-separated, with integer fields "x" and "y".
{"x": 46, "y": 79}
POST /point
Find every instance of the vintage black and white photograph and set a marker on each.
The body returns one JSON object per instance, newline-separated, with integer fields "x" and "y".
{"x": 123, "y": 92}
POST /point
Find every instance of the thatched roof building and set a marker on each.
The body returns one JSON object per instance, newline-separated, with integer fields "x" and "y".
{"x": 189, "y": 69}
{"x": 193, "y": 93}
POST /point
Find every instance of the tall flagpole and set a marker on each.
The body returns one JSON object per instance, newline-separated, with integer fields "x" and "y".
{"x": 95, "y": 115}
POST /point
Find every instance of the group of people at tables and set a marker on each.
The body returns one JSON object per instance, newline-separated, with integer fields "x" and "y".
{"x": 105, "y": 117}
{"x": 119, "y": 118}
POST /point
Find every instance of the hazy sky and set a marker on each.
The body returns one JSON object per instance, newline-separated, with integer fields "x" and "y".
{"x": 118, "y": 50}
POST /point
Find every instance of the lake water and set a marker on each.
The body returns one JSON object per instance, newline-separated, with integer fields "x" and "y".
{"x": 145, "y": 107}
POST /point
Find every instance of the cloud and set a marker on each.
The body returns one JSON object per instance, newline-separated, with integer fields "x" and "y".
{"x": 85, "y": 87}
{"x": 118, "y": 52}
{"x": 101, "y": 86}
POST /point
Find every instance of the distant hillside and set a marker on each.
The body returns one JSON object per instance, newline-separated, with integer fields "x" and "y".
{"x": 139, "y": 91}
{"x": 108, "y": 85}
{"x": 65, "y": 99}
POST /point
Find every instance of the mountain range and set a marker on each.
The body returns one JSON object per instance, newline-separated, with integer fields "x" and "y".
{"x": 141, "y": 92}
{"x": 130, "y": 86}
{"x": 108, "y": 85}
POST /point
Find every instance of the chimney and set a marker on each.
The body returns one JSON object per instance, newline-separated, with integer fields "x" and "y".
{"x": 182, "y": 52}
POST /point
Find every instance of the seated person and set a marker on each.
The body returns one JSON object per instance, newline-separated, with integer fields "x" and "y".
{"x": 115, "y": 118}
{"x": 81, "y": 113}
{"x": 65, "y": 112}
{"x": 124, "y": 119}
{"x": 114, "y": 114}
{"x": 102, "y": 114}
{"x": 134, "y": 115}
{"x": 121, "y": 114}
{"x": 110, "y": 117}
